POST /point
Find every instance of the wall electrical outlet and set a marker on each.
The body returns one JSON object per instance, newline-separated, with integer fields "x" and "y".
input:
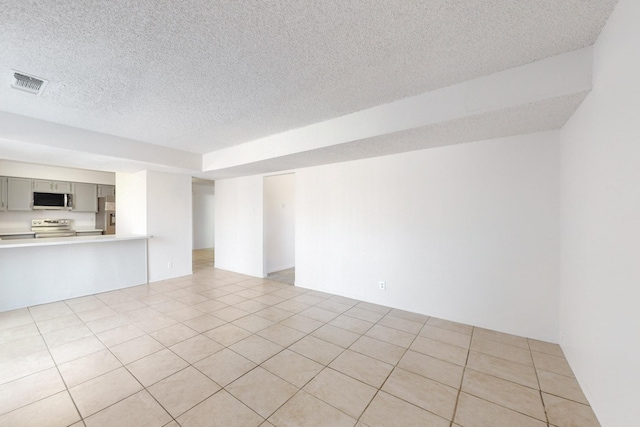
{"x": 382, "y": 286}
{"x": 170, "y": 264}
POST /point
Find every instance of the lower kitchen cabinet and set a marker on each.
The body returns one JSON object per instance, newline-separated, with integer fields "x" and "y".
{"x": 19, "y": 194}
{"x": 85, "y": 197}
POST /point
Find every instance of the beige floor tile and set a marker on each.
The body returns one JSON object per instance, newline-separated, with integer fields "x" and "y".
{"x": 256, "y": 349}
{"x": 475, "y": 412}
{"x": 545, "y": 347}
{"x": 550, "y": 363}
{"x": 306, "y": 410}
{"x": 105, "y": 390}
{"x": 292, "y": 367}
{"x": 58, "y": 323}
{"x": 229, "y": 314}
{"x": 155, "y": 323}
{"x": 26, "y": 390}
{"x": 225, "y": 366}
{"x": 153, "y": 368}
{"x": 139, "y": 410}
{"x": 316, "y": 349}
{"x": 427, "y": 394}
{"x": 17, "y": 333}
{"x": 377, "y": 349}
{"x": 501, "y": 337}
{"x": 184, "y": 313}
{"x": 504, "y": 393}
{"x": 502, "y": 368}
{"x": 173, "y": 334}
{"x": 196, "y": 348}
{"x": 22, "y": 348}
{"x": 251, "y": 306}
{"x": 280, "y": 334}
{"x": 503, "y": 351}
{"x": 204, "y": 323}
{"x": 106, "y": 323}
{"x": 362, "y": 314}
{"x": 16, "y": 368}
{"x": 253, "y": 323}
{"x": 351, "y": 324}
{"x": 401, "y": 324}
{"x": 361, "y": 367}
{"x": 319, "y": 314}
{"x": 336, "y": 335}
{"x": 307, "y": 299}
{"x": 96, "y": 314}
{"x": 120, "y": 334}
{"x": 76, "y": 349}
{"x": 344, "y": 300}
{"x": 452, "y": 326}
{"x": 136, "y": 348}
{"x": 341, "y": 391}
{"x": 292, "y": 306}
{"x": 446, "y": 336}
{"x": 334, "y": 306}
{"x": 85, "y": 368}
{"x": 53, "y": 411}
{"x": 262, "y": 391}
{"x": 389, "y": 411}
{"x": 373, "y": 307}
{"x": 302, "y": 323}
{"x": 430, "y": 367}
{"x": 562, "y": 386}
{"x": 50, "y": 311}
{"x": 390, "y": 335}
{"x": 183, "y": 390}
{"x": 408, "y": 315}
{"x": 230, "y": 412}
{"x": 210, "y": 306}
{"x": 566, "y": 413}
{"x": 227, "y": 334}
{"x": 15, "y": 318}
{"x": 440, "y": 350}
{"x": 169, "y": 306}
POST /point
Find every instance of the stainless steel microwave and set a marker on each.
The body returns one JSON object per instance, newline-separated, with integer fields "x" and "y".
{"x": 62, "y": 201}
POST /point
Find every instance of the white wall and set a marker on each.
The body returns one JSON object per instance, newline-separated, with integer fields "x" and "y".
{"x": 467, "y": 232}
{"x": 131, "y": 203}
{"x": 169, "y": 221}
{"x": 600, "y": 279}
{"x": 239, "y": 225}
{"x": 158, "y": 204}
{"x": 279, "y": 222}
{"x": 203, "y": 215}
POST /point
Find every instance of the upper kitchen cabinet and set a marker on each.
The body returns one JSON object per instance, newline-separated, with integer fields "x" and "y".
{"x": 106, "y": 190}
{"x": 45, "y": 186}
{"x": 19, "y": 194}
{"x": 85, "y": 197}
{"x": 3, "y": 193}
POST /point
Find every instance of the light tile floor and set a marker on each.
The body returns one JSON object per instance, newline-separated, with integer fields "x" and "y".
{"x": 223, "y": 349}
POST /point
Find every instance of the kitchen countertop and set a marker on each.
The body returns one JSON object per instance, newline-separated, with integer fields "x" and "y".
{"x": 57, "y": 241}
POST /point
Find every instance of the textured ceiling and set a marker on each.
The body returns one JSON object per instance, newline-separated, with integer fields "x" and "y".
{"x": 200, "y": 75}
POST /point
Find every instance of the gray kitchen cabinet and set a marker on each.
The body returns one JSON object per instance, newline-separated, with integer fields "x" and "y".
{"x": 47, "y": 186}
{"x": 106, "y": 190}
{"x": 19, "y": 194}
{"x": 3, "y": 193}
{"x": 85, "y": 197}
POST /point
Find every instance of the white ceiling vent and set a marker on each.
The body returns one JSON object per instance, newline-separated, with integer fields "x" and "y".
{"x": 28, "y": 83}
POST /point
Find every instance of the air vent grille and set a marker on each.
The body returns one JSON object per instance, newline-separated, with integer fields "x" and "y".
{"x": 28, "y": 83}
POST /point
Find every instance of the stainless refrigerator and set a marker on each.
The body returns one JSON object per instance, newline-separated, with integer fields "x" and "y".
{"x": 106, "y": 216}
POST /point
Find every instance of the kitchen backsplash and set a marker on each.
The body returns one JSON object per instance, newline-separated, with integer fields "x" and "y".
{"x": 22, "y": 220}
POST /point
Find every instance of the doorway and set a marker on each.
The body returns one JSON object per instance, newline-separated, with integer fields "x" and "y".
{"x": 203, "y": 203}
{"x": 279, "y": 228}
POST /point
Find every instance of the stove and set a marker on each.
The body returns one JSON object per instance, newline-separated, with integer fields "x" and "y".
{"x": 52, "y": 228}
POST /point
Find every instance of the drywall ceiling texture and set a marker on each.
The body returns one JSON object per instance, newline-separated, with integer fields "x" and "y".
{"x": 200, "y": 75}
